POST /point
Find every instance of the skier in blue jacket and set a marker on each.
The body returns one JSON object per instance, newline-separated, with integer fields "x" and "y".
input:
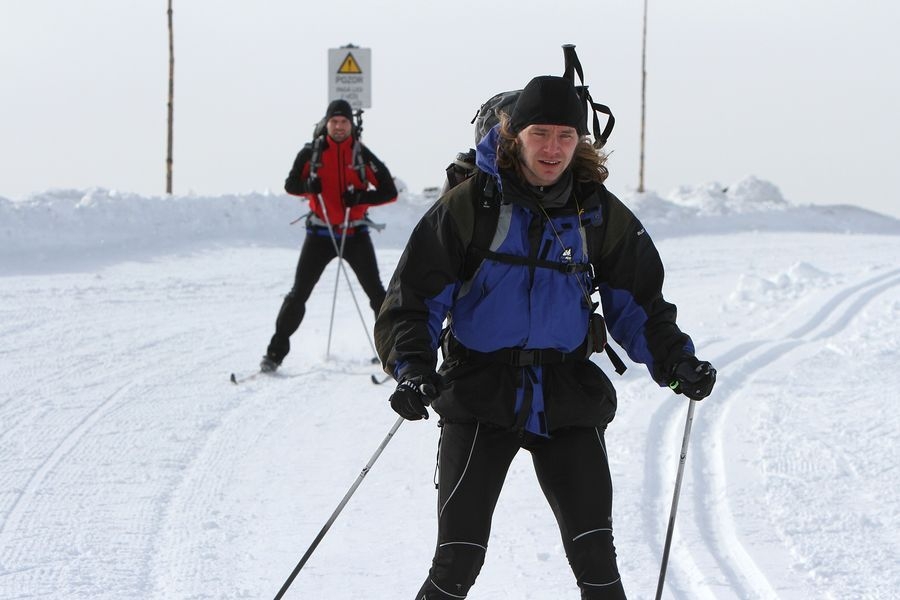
{"x": 516, "y": 371}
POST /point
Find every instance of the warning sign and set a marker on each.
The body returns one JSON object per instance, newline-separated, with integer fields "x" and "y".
{"x": 349, "y": 65}
{"x": 350, "y": 75}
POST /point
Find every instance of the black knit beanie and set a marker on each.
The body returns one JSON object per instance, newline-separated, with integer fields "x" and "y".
{"x": 549, "y": 100}
{"x": 339, "y": 108}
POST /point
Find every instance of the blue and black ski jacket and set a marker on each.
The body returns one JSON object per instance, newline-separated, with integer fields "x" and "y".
{"x": 516, "y": 329}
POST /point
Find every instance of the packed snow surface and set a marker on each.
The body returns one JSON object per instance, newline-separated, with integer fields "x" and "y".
{"x": 131, "y": 467}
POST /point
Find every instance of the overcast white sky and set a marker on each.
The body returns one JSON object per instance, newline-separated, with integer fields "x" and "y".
{"x": 802, "y": 93}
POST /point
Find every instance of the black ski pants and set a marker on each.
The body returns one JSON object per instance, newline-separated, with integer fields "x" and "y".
{"x": 573, "y": 472}
{"x": 317, "y": 251}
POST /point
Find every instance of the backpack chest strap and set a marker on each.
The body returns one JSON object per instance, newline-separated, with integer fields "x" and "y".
{"x": 515, "y": 259}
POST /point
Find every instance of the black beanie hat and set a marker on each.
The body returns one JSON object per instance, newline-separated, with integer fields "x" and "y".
{"x": 549, "y": 100}
{"x": 339, "y": 108}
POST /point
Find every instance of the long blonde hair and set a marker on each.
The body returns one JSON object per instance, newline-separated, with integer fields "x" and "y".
{"x": 588, "y": 163}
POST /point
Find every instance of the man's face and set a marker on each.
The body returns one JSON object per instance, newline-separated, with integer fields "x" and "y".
{"x": 546, "y": 151}
{"x": 338, "y": 128}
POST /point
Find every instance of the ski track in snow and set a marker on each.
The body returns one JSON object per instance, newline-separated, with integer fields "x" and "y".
{"x": 55, "y": 448}
{"x": 720, "y": 537}
{"x": 61, "y": 450}
{"x": 252, "y": 414}
{"x": 138, "y": 470}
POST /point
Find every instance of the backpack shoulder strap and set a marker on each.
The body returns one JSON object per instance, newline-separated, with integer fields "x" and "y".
{"x": 487, "y": 214}
{"x": 315, "y": 161}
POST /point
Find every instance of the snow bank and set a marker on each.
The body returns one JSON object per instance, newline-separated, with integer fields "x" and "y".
{"x": 750, "y": 204}
{"x": 48, "y": 229}
{"x": 64, "y": 228}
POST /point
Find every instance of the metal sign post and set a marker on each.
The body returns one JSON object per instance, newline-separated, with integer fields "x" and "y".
{"x": 350, "y": 75}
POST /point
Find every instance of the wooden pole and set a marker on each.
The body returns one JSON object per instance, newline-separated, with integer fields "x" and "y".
{"x": 171, "y": 106}
{"x": 643, "y": 98}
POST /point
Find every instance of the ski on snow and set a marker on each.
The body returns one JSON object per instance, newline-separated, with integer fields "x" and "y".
{"x": 237, "y": 380}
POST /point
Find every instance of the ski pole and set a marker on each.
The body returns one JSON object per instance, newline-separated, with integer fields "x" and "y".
{"x": 338, "y": 510}
{"x": 337, "y": 280}
{"x": 678, "y": 478}
{"x": 340, "y": 266}
{"x": 346, "y": 276}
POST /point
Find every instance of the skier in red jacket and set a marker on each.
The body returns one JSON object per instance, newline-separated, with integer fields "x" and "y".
{"x": 341, "y": 178}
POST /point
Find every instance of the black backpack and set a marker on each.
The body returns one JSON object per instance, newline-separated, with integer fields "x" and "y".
{"x": 489, "y": 112}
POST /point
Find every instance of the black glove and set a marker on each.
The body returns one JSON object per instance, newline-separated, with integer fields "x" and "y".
{"x": 413, "y": 394}
{"x": 314, "y": 185}
{"x": 693, "y": 378}
{"x": 353, "y": 197}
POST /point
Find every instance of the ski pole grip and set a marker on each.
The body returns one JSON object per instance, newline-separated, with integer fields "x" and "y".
{"x": 572, "y": 64}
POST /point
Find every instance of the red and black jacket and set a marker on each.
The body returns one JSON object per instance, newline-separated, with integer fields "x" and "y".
{"x": 334, "y": 166}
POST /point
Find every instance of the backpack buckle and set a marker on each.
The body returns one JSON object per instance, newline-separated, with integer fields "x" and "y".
{"x": 525, "y": 358}
{"x": 572, "y": 268}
